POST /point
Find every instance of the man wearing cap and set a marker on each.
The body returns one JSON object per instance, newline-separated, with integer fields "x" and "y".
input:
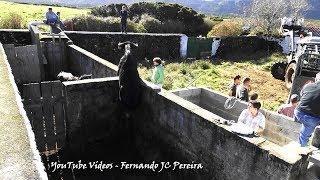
{"x": 288, "y": 109}
{"x": 308, "y": 110}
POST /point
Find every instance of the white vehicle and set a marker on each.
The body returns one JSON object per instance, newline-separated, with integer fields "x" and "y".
{"x": 304, "y": 53}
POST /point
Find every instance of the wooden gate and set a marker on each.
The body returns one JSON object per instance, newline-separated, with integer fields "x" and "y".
{"x": 44, "y": 104}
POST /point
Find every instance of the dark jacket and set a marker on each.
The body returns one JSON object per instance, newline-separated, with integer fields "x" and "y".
{"x": 123, "y": 15}
{"x": 310, "y": 99}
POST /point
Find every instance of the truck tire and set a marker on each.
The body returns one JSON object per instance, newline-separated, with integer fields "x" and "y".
{"x": 290, "y": 73}
{"x": 278, "y": 70}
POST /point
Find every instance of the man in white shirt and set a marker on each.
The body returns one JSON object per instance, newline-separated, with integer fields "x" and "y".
{"x": 252, "y": 117}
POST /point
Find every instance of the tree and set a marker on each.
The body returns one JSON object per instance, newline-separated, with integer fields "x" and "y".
{"x": 268, "y": 13}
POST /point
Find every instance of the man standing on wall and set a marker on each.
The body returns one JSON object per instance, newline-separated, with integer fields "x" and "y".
{"x": 308, "y": 110}
{"x": 124, "y": 16}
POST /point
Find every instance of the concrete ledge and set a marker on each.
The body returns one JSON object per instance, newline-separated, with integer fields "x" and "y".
{"x": 119, "y": 33}
{"x": 15, "y": 30}
{"x": 19, "y": 157}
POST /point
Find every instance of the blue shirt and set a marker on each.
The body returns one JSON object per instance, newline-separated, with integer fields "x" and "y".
{"x": 51, "y": 16}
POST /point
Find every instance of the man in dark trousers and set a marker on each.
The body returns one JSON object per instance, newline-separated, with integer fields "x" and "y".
{"x": 308, "y": 110}
{"x": 129, "y": 79}
{"x": 124, "y": 16}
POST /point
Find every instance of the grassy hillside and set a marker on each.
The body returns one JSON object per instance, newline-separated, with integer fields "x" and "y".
{"x": 218, "y": 76}
{"x": 36, "y": 12}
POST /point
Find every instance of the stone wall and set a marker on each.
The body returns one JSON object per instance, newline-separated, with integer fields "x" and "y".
{"x": 82, "y": 62}
{"x": 18, "y": 37}
{"x": 105, "y": 44}
{"x": 193, "y": 132}
{"x": 246, "y": 48}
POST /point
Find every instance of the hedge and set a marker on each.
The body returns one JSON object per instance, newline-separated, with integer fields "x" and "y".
{"x": 193, "y": 22}
{"x": 105, "y": 45}
{"x": 109, "y": 24}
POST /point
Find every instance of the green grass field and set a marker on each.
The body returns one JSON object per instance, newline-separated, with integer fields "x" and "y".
{"x": 36, "y": 12}
{"x": 218, "y": 76}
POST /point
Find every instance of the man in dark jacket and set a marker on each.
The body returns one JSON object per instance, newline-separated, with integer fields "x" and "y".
{"x": 124, "y": 16}
{"x": 129, "y": 79}
{"x": 308, "y": 110}
{"x": 234, "y": 85}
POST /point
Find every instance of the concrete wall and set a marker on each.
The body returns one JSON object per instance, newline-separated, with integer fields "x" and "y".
{"x": 92, "y": 111}
{"x": 105, "y": 44}
{"x": 180, "y": 128}
{"x": 82, "y": 62}
{"x": 279, "y": 129}
{"x": 192, "y": 131}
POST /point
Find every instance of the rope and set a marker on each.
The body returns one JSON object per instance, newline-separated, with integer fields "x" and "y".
{"x": 230, "y": 102}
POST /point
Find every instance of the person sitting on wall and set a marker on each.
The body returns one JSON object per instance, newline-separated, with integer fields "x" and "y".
{"x": 51, "y": 17}
{"x": 308, "y": 110}
{"x": 243, "y": 90}
{"x": 252, "y": 117}
{"x": 62, "y": 26}
{"x": 288, "y": 109}
{"x": 234, "y": 85}
{"x": 158, "y": 73}
{"x": 254, "y": 97}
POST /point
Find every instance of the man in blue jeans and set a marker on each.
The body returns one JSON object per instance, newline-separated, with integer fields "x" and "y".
{"x": 308, "y": 110}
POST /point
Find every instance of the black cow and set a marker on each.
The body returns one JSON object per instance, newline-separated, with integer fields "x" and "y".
{"x": 129, "y": 79}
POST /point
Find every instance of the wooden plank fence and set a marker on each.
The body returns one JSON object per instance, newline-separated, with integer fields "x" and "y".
{"x": 24, "y": 62}
{"x": 44, "y": 104}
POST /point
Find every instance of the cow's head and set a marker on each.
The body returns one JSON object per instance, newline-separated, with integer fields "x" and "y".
{"x": 127, "y": 46}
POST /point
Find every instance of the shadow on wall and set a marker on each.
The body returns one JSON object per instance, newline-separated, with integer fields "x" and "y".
{"x": 105, "y": 45}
